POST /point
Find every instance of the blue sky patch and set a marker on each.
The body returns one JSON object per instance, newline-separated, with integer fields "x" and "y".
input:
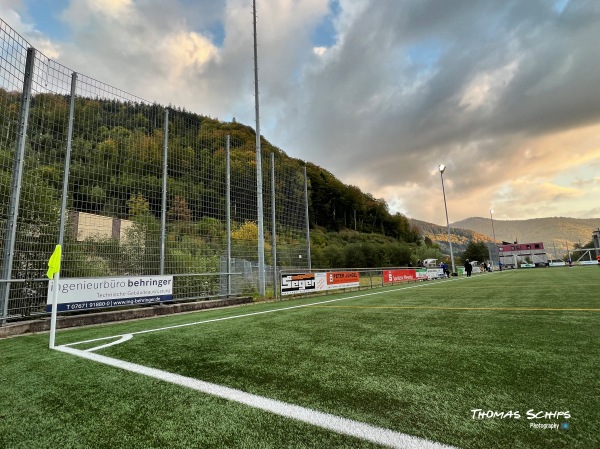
{"x": 46, "y": 17}
{"x": 324, "y": 34}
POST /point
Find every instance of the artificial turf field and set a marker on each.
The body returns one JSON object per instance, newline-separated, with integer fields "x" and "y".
{"x": 416, "y": 359}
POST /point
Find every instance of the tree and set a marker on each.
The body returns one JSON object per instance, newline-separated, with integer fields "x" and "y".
{"x": 180, "y": 210}
{"x": 476, "y": 251}
{"x": 245, "y": 242}
{"x": 138, "y": 205}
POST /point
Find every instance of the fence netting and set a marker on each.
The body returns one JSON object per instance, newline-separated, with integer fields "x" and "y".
{"x": 120, "y": 220}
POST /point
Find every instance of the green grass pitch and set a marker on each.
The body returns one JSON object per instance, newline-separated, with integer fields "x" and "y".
{"x": 416, "y": 359}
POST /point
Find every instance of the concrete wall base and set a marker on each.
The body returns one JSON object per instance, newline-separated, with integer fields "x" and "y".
{"x": 67, "y": 321}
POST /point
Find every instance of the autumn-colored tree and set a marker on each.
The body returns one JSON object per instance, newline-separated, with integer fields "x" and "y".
{"x": 247, "y": 231}
{"x": 180, "y": 210}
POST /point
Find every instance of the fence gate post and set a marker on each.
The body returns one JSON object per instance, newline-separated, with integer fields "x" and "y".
{"x": 13, "y": 208}
{"x": 65, "y": 190}
{"x": 307, "y": 219}
{"x": 273, "y": 225}
{"x": 163, "y": 226}
{"x": 228, "y": 209}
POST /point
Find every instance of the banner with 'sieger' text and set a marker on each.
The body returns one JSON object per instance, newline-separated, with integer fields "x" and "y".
{"x": 92, "y": 293}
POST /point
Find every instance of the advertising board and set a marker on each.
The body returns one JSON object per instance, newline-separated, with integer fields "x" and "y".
{"x": 342, "y": 279}
{"x": 405, "y": 275}
{"x": 435, "y": 273}
{"x": 93, "y": 293}
{"x": 421, "y": 274}
{"x": 292, "y": 284}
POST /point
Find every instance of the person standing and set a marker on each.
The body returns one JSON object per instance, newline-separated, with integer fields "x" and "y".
{"x": 444, "y": 267}
{"x": 468, "y": 268}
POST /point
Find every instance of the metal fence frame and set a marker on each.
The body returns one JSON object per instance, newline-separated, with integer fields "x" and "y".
{"x": 36, "y": 80}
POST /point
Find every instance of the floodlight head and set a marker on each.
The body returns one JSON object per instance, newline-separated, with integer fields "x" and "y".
{"x": 491, "y": 211}
{"x": 441, "y": 168}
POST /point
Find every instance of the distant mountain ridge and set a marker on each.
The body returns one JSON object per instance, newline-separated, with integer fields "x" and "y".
{"x": 459, "y": 235}
{"x": 555, "y": 232}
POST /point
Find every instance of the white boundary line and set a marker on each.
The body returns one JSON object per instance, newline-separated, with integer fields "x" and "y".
{"x": 334, "y": 423}
{"x": 121, "y": 340}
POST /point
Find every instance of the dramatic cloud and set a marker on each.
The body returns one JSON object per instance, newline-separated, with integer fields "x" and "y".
{"x": 505, "y": 93}
{"x": 501, "y": 92}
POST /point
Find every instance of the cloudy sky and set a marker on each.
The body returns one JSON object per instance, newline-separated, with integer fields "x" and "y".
{"x": 505, "y": 93}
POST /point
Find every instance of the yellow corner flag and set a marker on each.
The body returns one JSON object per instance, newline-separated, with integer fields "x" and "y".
{"x": 54, "y": 263}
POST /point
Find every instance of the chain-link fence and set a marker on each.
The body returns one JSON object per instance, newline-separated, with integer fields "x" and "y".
{"x": 130, "y": 187}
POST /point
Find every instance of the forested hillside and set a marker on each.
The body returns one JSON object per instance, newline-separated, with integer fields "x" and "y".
{"x": 439, "y": 235}
{"x": 116, "y": 169}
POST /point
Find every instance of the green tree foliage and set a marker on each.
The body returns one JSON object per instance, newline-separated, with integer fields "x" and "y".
{"x": 334, "y": 206}
{"x": 352, "y": 249}
{"x": 138, "y": 206}
{"x": 476, "y": 251}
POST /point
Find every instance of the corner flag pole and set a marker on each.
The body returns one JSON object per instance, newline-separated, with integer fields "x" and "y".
{"x": 54, "y": 262}
{"x": 54, "y": 274}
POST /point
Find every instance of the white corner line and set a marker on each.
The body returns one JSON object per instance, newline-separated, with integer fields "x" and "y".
{"x": 123, "y": 339}
{"x": 327, "y": 421}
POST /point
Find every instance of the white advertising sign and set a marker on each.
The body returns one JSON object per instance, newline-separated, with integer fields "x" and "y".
{"x": 435, "y": 273}
{"x": 91, "y": 293}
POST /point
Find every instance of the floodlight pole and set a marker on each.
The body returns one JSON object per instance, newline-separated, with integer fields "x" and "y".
{"x": 493, "y": 231}
{"x": 442, "y": 168}
{"x": 259, "y": 185}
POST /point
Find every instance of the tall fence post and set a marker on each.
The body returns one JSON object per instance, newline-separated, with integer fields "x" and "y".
{"x": 228, "y": 208}
{"x": 67, "y": 169}
{"x": 163, "y": 226}
{"x": 307, "y": 220}
{"x": 273, "y": 225}
{"x": 13, "y": 208}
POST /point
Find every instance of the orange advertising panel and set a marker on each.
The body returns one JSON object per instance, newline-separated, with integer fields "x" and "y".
{"x": 342, "y": 277}
{"x": 391, "y": 276}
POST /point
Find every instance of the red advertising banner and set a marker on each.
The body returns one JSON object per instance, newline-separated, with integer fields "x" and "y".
{"x": 391, "y": 276}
